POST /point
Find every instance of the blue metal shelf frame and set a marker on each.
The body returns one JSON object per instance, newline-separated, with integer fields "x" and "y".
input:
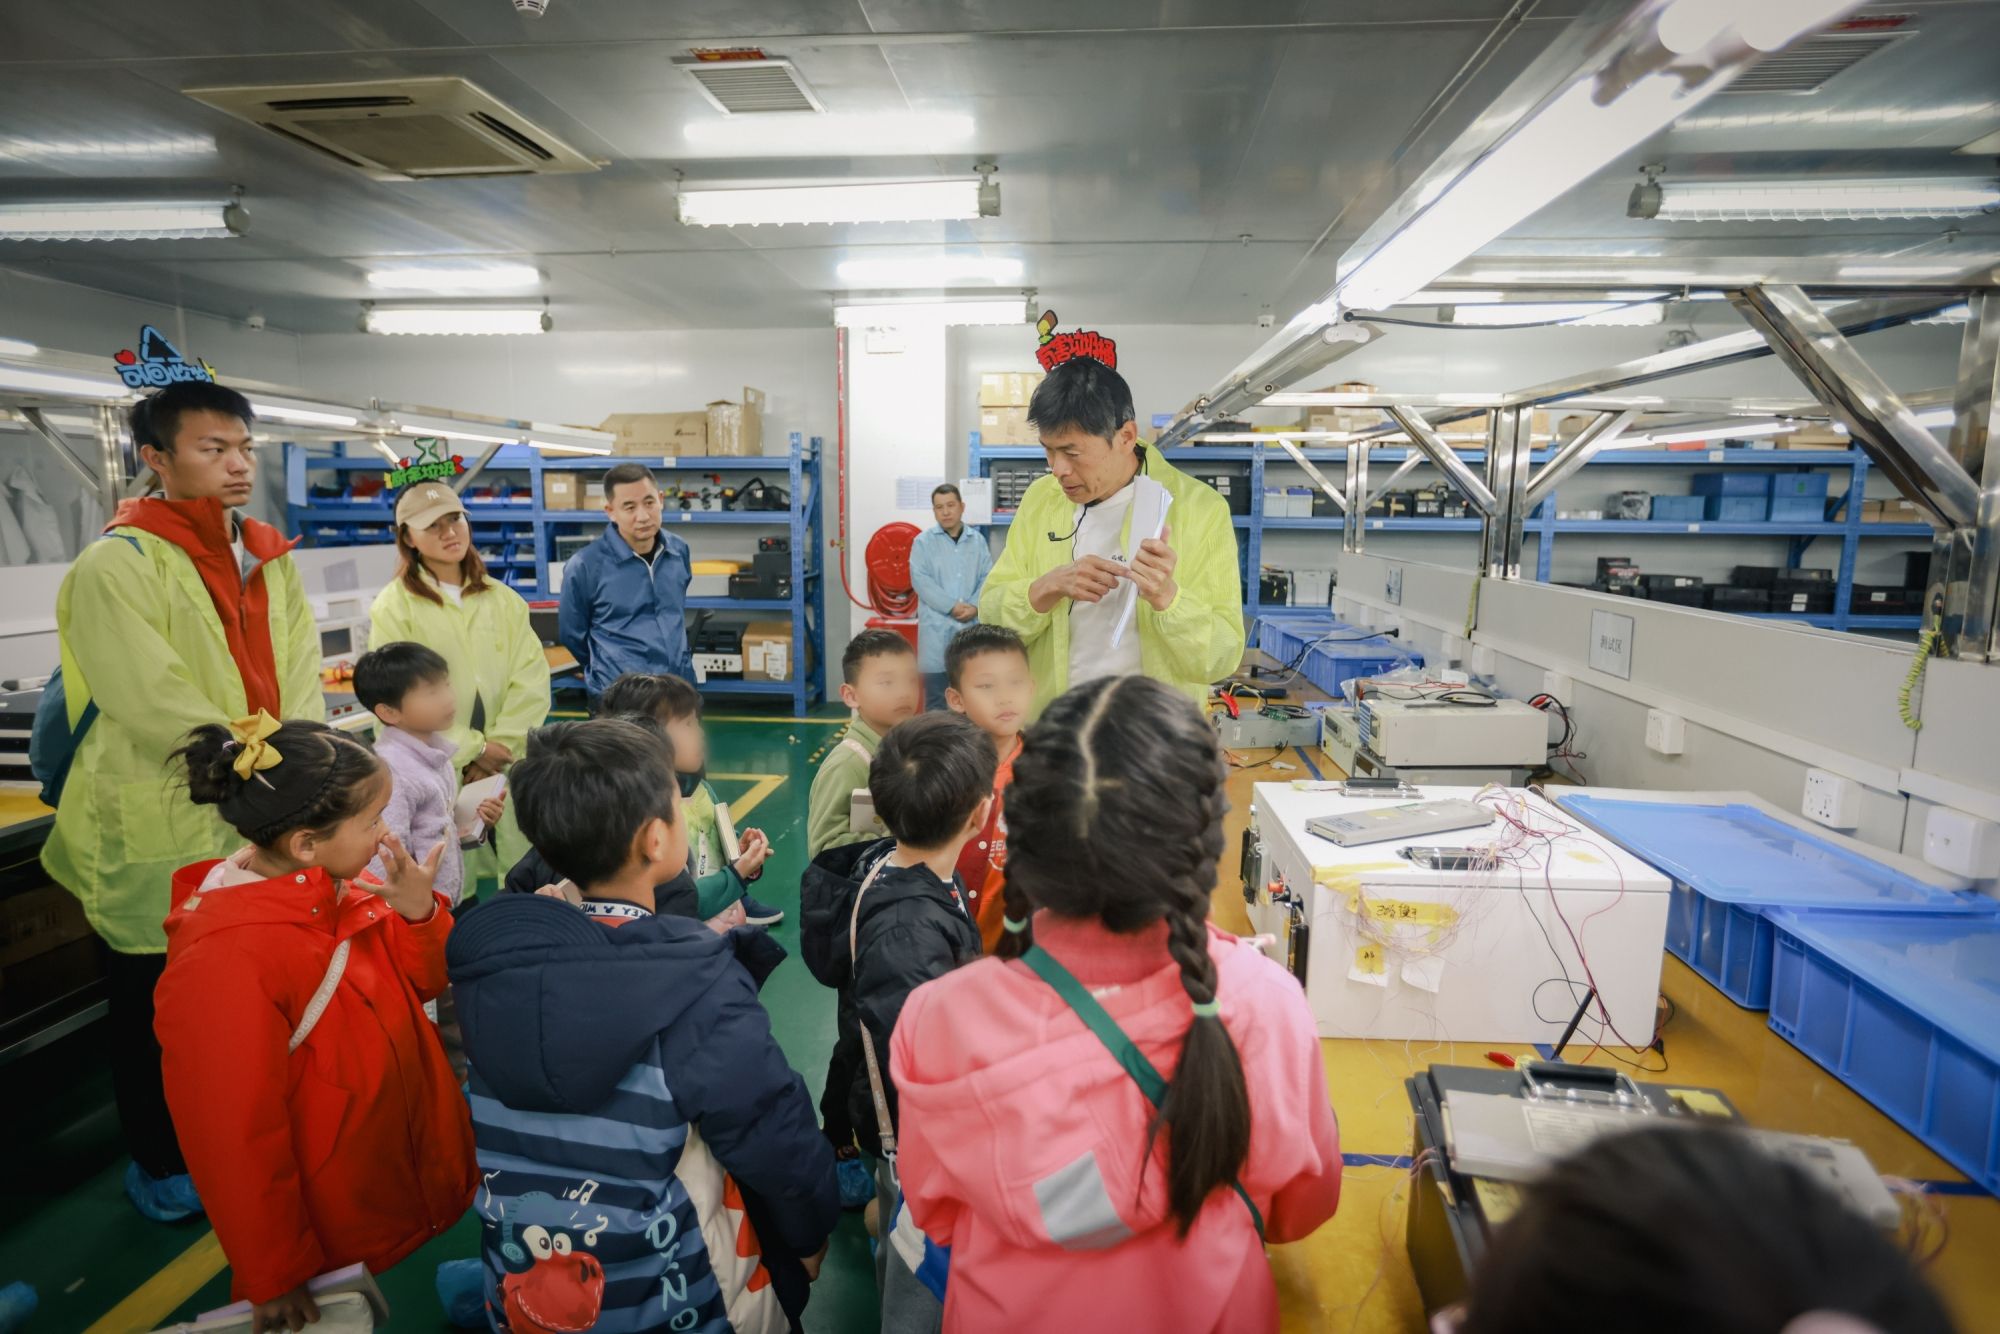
{"x": 803, "y": 522}
{"x": 1843, "y": 521}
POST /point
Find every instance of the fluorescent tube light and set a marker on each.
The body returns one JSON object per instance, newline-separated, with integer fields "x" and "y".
{"x": 1815, "y": 200}
{"x": 302, "y": 416}
{"x": 1576, "y": 314}
{"x": 1014, "y": 310}
{"x": 955, "y": 200}
{"x": 1564, "y": 143}
{"x": 1937, "y": 417}
{"x": 835, "y": 134}
{"x": 454, "y": 433}
{"x": 15, "y": 347}
{"x": 24, "y": 381}
{"x": 139, "y": 148}
{"x": 125, "y": 220}
{"x": 1441, "y": 297}
{"x": 473, "y": 320}
{"x": 942, "y": 271}
{"x": 555, "y": 447}
{"x": 1730, "y": 431}
{"x": 569, "y": 439}
{"x": 456, "y": 278}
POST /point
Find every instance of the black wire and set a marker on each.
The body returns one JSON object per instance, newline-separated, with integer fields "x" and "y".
{"x": 1534, "y": 324}
{"x": 1291, "y": 668}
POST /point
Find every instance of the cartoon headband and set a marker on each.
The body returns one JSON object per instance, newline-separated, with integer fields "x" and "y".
{"x": 430, "y": 463}
{"x": 1056, "y": 348}
{"x": 158, "y": 363}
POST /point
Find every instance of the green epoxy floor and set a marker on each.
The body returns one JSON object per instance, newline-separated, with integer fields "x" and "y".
{"x": 66, "y": 1227}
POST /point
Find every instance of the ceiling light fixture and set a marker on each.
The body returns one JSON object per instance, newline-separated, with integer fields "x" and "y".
{"x": 1013, "y": 310}
{"x": 426, "y": 432}
{"x": 1695, "y": 435}
{"x": 556, "y": 447}
{"x": 836, "y": 134}
{"x": 456, "y": 278}
{"x": 1575, "y": 314}
{"x": 15, "y": 347}
{"x": 1908, "y": 269}
{"x": 1577, "y": 133}
{"x": 942, "y": 271}
{"x": 444, "y": 320}
{"x": 1814, "y": 200}
{"x": 123, "y": 220}
{"x": 959, "y": 199}
{"x": 19, "y": 380}
{"x": 139, "y": 148}
{"x": 284, "y": 412}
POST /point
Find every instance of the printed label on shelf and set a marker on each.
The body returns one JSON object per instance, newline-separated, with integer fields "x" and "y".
{"x": 1716, "y": 455}
{"x": 1694, "y": 528}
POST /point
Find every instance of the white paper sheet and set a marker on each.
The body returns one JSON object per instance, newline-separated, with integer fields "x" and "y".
{"x": 1150, "y": 503}
{"x": 978, "y": 493}
{"x": 465, "y": 811}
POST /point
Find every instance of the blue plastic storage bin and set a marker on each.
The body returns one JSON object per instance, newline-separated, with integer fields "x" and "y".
{"x": 1798, "y": 509}
{"x": 1738, "y": 509}
{"x": 1680, "y": 509}
{"x": 1732, "y": 484}
{"x": 1340, "y": 653}
{"x": 1906, "y": 1011}
{"x": 1731, "y": 863}
{"x": 1799, "y": 485}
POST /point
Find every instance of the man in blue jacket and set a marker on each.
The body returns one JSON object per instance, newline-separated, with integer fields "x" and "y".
{"x": 948, "y": 565}
{"x": 624, "y": 597}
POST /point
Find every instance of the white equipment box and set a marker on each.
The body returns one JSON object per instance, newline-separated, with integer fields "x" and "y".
{"x": 1432, "y": 732}
{"x": 1393, "y": 949}
{"x": 1340, "y": 739}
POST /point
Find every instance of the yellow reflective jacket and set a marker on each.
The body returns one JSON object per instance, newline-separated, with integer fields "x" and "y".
{"x": 141, "y": 638}
{"x": 498, "y": 669}
{"x": 1197, "y": 640}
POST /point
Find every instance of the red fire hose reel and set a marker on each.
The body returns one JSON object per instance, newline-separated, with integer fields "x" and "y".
{"x": 888, "y": 561}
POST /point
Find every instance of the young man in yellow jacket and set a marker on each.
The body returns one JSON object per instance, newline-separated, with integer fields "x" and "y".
{"x": 1071, "y": 552}
{"x": 186, "y": 613}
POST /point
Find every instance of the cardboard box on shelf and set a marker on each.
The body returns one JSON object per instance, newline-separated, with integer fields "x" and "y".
{"x": 767, "y": 651}
{"x": 561, "y": 490}
{"x": 658, "y": 434}
{"x": 736, "y": 430}
{"x": 1006, "y": 426}
{"x": 1007, "y": 389}
{"x": 1898, "y": 510}
{"x": 1814, "y": 436}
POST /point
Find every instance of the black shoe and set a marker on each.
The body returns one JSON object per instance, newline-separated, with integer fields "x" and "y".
{"x": 757, "y": 913}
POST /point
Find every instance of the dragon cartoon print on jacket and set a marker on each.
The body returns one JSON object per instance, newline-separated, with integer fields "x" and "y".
{"x": 551, "y": 1286}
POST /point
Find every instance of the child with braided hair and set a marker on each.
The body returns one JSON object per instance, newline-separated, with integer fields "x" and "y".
{"x": 1107, "y": 1121}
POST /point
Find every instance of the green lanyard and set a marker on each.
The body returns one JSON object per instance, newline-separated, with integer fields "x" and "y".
{"x": 1123, "y": 1050}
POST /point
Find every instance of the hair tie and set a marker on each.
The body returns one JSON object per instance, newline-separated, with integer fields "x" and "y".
{"x": 253, "y": 750}
{"x": 1207, "y": 1009}
{"x": 1015, "y": 925}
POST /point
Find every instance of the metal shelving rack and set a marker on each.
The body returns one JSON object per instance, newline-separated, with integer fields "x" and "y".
{"x": 521, "y": 535}
{"x": 1844, "y": 524}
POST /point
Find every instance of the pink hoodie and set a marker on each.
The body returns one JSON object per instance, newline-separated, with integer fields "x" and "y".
{"x": 1023, "y": 1143}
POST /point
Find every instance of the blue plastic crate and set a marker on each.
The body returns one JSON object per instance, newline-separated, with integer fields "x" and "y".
{"x": 1732, "y": 484}
{"x": 1906, "y": 1011}
{"x": 1732, "y": 863}
{"x": 1798, "y": 509}
{"x": 1738, "y": 509}
{"x": 1680, "y": 509}
{"x": 1340, "y": 653}
{"x": 1799, "y": 485}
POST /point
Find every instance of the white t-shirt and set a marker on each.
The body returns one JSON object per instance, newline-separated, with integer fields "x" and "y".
{"x": 453, "y": 593}
{"x": 1091, "y": 654}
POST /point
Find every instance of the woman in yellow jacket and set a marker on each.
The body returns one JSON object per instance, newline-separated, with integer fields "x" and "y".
{"x": 442, "y": 598}
{"x": 1071, "y": 549}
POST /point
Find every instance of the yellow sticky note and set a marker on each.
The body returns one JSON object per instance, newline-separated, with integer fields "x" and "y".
{"x": 1413, "y": 914}
{"x": 1498, "y": 1200}
{"x": 1700, "y": 1100}
{"x": 1368, "y": 959}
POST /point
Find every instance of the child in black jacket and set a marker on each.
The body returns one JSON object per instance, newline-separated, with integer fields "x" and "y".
{"x": 932, "y": 781}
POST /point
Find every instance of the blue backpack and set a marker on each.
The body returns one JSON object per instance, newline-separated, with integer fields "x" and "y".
{"x": 53, "y": 742}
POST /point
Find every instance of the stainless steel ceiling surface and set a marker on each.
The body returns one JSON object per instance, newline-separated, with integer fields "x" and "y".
{"x": 1137, "y": 141}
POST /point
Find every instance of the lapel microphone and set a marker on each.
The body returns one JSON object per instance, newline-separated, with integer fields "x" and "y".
{"x": 1088, "y": 506}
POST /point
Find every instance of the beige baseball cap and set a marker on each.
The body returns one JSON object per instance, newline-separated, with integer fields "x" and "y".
{"x": 423, "y": 505}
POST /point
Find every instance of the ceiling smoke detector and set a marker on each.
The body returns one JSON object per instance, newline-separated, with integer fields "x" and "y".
{"x": 532, "y": 8}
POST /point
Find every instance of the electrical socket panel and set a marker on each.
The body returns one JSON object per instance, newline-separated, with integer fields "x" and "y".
{"x": 1831, "y": 800}
{"x": 1562, "y": 687}
{"x": 1666, "y": 733}
{"x": 1457, "y": 647}
{"x": 1485, "y": 660}
{"x": 1962, "y": 843}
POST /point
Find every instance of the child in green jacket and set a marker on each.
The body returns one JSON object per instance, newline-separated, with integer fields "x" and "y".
{"x": 721, "y": 880}
{"x": 879, "y": 681}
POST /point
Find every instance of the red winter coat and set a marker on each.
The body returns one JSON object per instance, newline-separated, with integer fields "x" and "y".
{"x": 357, "y": 1147}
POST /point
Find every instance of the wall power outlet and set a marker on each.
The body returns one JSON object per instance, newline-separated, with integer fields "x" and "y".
{"x": 1831, "y": 800}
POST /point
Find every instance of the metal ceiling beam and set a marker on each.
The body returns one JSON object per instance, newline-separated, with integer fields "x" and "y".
{"x": 1507, "y": 452}
{"x": 1601, "y": 431}
{"x": 1425, "y": 437}
{"x": 1879, "y": 421}
{"x": 1975, "y": 443}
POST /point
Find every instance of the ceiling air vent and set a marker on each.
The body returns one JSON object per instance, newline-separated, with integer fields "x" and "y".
{"x": 1805, "y": 66}
{"x": 403, "y": 129}
{"x": 749, "y": 82}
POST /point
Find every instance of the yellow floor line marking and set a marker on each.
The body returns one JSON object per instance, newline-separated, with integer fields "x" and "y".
{"x": 768, "y": 718}
{"x": 165, "y": 1292}
{"x": 761, "y": 786}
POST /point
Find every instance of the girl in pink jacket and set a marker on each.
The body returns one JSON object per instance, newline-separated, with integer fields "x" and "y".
{"x": 1079, "y": 1188}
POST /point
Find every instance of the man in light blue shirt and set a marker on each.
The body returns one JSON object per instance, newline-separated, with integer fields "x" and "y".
{"x": 948, "y": 565}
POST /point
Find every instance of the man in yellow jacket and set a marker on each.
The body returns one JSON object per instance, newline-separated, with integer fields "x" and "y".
{"x": 1071, "y": 553}
{"x": 186, "y": 613}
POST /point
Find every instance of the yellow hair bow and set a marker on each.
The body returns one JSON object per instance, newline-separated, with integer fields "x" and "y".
{"x": 254, "y": 752}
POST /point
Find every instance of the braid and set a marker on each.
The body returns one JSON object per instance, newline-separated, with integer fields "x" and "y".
{"x": 1014, "y": 906}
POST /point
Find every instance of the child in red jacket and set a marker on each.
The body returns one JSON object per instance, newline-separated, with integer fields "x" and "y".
{"x": 319, "y": 1116}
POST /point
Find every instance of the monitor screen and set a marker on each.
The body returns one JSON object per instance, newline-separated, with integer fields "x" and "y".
{"x": 337, "y": 642}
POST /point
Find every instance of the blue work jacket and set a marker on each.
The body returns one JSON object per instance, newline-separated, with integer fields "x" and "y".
{"x": 945, "y": 572}
{"x": 619, "y": 616}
